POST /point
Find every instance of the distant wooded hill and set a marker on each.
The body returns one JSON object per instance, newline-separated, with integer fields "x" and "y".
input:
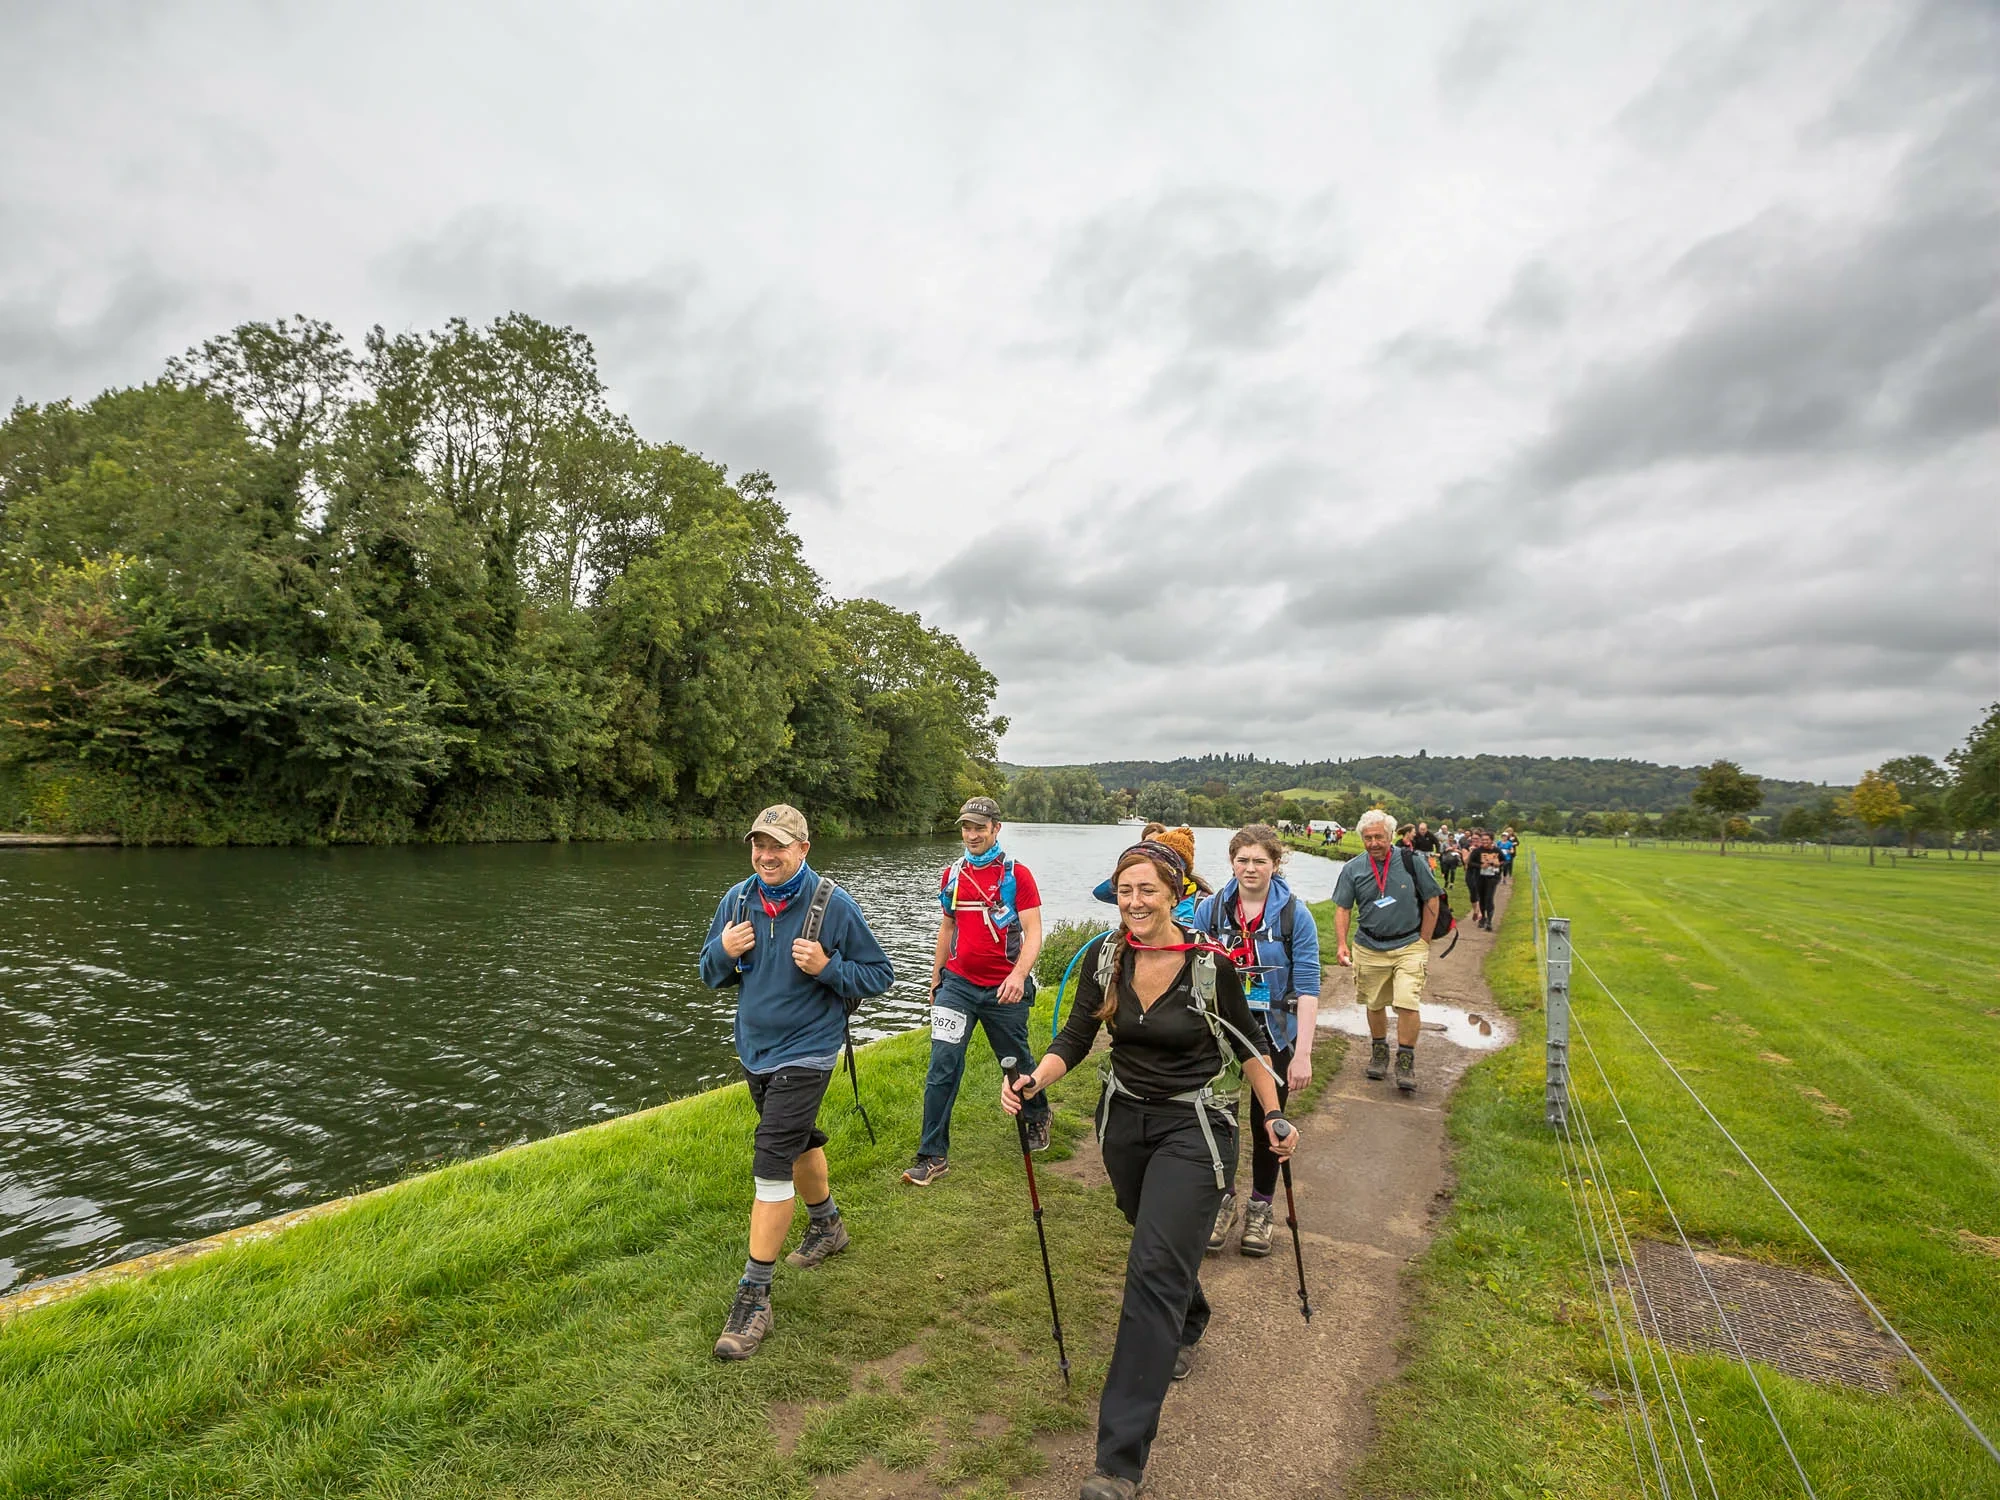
{"x": 1459, "y": 782}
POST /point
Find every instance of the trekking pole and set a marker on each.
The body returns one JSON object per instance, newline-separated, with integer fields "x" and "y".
{"x": 1292, "y": 1221}
{"x": 1012, "y": 1068}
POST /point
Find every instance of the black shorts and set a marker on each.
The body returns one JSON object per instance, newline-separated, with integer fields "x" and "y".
{"x": 787, "y": 1117}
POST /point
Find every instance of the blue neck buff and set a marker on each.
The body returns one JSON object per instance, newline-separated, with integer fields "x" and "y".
{"x": 981, "y": 861}
{"x": 778, "y": 895}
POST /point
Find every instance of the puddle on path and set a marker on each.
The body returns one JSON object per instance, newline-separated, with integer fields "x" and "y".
{"x": 1474, "y": 1030}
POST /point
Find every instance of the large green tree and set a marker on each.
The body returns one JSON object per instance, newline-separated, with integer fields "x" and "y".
{"x": 1973, "y": 801}
{"x": 1725, "y": 792}
{"x": 438, "y": 590}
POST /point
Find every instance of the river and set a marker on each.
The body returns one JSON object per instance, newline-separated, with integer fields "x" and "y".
{"x": 192, "y": 1039}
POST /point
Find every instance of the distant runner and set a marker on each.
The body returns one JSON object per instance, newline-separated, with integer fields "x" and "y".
{"x": 792, "y": 1001}
{"x": 1483, "y": 869}
{"x": 982, "y": 970}
{"x": 1398, "y": 904}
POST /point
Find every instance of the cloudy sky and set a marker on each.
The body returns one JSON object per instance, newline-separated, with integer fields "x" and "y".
{"x": 1333, "y": 380}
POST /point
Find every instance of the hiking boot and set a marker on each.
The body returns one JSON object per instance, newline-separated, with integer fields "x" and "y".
{"x": 750, "y": 1318}
{"x": 1378, "y": 1058}
{"x": 1103, "y": 1486}
{"x": 1256, "y": 1230}
{"x": 1225, "y": 1216}
{"x": 1038, "y": 1134}
{"x": 822, "y": 1242}
{"x": 1183, "y": 1361}
{"x": 927, "y": 1170}
{"x": 1406, "y": 1069}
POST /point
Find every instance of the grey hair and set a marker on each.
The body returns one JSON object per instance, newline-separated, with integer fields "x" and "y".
{"x": 1373, "y": 818}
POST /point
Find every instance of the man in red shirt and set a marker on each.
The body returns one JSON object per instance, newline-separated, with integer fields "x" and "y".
{"x": 981, "y": 971}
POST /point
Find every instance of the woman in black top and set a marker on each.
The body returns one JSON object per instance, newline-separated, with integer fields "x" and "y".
{"x": 1162, "y": 1148}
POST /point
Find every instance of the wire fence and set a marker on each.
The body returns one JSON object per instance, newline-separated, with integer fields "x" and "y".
{"x": 1859, "y": 854}
{"x": 1669, "y": 1451}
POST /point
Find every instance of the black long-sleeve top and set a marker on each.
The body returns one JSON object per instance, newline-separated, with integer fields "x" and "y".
{"x": 1164, "y": 1051}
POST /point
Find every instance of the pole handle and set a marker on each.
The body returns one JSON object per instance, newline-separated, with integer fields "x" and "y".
{"x": 1024, "y": 1083}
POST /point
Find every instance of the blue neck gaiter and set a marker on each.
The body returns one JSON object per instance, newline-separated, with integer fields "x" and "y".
{"x": 779, "y": 895}
{"x": 981, "y": 861}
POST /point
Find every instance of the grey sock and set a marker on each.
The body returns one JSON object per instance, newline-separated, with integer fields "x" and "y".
{"x": 825, "y": 1211}
{"x": 758, "y": 1272}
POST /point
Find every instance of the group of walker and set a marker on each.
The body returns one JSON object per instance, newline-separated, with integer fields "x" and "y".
{"x": 1200, "y": 992}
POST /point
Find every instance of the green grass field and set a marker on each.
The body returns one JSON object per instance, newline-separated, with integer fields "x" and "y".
{"x": 1844, "y": 1022}
{"x": 539, "y": 1323}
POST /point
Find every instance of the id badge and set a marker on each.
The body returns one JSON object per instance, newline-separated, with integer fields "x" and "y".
{"x": 1258, "y": 993}
{"x": 1382, "y": 902}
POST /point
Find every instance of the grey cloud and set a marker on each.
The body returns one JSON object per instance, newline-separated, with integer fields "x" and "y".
{"x": 719, "y": 383}
{"x": 1946, "y": 48}
{"x": 1849, "y": 340}
{"x": 1537, "y": 301}
{"x": 1468, "y": 65}
{"x": 45, "y": 355}
{"x": 1208, "y": 272}
{"x": 1705, "y": 75}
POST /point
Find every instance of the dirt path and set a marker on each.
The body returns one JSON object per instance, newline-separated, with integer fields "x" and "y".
{"x": 1277, "y": 1408}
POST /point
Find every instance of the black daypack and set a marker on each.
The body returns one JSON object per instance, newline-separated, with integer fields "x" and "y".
{"x": 1444, "y": 922}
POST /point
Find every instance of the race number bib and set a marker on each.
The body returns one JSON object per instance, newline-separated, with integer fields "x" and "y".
{"x": 948, "y": 1025}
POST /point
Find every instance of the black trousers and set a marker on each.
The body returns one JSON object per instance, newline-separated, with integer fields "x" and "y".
{"x": 1263, "y": 1160}
{"x": 1484, "y": 889}
{"x": 1165, "y": 1184}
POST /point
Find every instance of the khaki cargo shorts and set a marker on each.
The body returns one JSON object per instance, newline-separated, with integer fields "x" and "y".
{"x": 1393, "y": 978}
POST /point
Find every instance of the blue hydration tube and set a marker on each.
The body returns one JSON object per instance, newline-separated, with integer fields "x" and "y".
{"x": 1055, "y": 1019}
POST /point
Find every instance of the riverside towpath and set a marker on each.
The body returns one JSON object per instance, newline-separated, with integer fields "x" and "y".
{"x": 1275, "y": 1408}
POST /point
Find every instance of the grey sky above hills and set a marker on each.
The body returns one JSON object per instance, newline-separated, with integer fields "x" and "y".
{"x": 1608, "y": 380}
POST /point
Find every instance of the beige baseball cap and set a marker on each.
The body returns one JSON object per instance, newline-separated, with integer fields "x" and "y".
{"x": 782, "y": 822}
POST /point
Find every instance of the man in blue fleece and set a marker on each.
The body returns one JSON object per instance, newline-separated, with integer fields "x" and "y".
{"x": 791, "y": 1012}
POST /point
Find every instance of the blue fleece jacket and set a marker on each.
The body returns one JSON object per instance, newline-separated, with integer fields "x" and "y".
{"x": 786, "y": 1017}
{"x": 1292, "y": 972}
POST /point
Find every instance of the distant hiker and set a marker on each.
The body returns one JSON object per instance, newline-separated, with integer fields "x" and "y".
{"x": 1483, "y": 868}
{"x": 1507, "y": 843}
{"x": 981, "y": 970}
{"x": 1424, "y": 841}
{"x": 1282, "y": 986}
{"x": 792, "y": 1003}
{"x": 1181, "y": 841}
{"x": 1397, "y": 897}
{"x": 1180, "y": 1028}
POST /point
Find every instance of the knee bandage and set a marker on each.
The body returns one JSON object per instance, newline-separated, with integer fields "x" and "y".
{"x": 775, "y": 1189}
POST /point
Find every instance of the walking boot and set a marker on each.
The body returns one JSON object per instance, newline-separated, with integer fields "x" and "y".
{"x": 1406, "y": 1069}
{"x": 750, "y": 1318}
{"x": 1225, "y": 1216}
{"x": 1184, "y": 1361}
{"x": 822, "y": 1242}
{"x": 1103, "y": 1486}
{"x": 1256, "y": 1230}
{"x": 1378, "y": 1058}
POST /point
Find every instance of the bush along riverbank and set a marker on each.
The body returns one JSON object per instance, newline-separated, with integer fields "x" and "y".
{"x": 539, "y": 1322}
{"x": 435, "y": 590}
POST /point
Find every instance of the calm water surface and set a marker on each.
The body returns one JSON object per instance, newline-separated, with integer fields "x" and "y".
{"x": 191, "y": 1039}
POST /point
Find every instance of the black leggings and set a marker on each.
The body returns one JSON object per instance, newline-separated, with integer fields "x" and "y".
{"x": 1484, "y": 888}
{"x": 1164, "y": 1179}
{"x": 1263, "y": 1160}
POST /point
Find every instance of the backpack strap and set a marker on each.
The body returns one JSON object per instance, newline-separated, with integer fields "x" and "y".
{"x": 816, "y": 913}
{"x": 815, "y": 922}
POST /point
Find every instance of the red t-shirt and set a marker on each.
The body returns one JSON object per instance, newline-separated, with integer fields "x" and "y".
{"x": 979, "y": 955}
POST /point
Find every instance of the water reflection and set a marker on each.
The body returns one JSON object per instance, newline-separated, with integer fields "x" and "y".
{"x": 193, "y": 1039}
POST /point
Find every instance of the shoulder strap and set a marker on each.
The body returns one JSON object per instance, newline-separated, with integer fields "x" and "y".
{"x": 742, "y": 894}
{"x": 816, "y": 913}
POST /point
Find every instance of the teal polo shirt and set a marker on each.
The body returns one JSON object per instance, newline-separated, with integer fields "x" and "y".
{"x": 1394, "y": 925}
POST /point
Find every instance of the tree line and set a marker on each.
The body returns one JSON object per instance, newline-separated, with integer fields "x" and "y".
{"x": 436, "y": 588}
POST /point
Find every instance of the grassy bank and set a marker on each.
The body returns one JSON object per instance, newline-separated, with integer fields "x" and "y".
{"x": 1842, "y": 1021}
{"x": 539, "y": 1323}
